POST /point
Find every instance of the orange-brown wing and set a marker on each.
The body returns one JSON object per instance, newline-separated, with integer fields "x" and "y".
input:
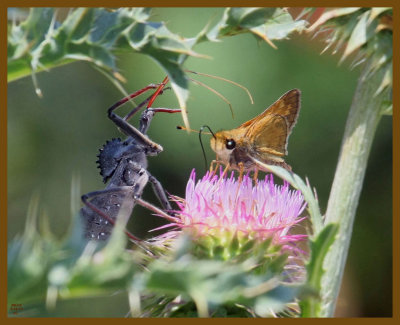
{"x": 269, "y": 135}
{"x": 288, "y": 105}
{"x": 269, "y": 131}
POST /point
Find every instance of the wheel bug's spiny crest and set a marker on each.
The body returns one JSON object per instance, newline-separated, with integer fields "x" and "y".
{"x": 107, "y": 162}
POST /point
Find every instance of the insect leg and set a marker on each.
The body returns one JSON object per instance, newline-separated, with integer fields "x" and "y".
{"x": 122, "y": 189}
{"x": 241, "y": 170}
{"x": 159, "y": 192}
{"x": 156, "y": 210}
{"x": 130, "y": 130}
{"x": 133, "y": 95}
{"x": 286, "y": 166}
{"x": 226, "y": 169}
{"x": 158, "y": 91}
{"x": 134, "y": 111}
{"x": 137, "y": 108}
{"x": 148, "y": 115}
{"x": 127, "y": 128}
{"x": 213, "y": 170}
{"x": 255, "y": 175}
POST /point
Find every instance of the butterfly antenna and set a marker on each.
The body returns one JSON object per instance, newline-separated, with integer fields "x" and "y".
{"x": 215, "y": 92}
{"x": 201, "y": 143}
{"x": 180, "y": 127}
{"x": 224, "y": 79}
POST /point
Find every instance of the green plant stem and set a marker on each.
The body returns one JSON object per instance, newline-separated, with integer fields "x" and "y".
{"x": 364, "y": 116}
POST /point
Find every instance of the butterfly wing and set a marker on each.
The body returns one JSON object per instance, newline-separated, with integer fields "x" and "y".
{"x": 269, "y": 131}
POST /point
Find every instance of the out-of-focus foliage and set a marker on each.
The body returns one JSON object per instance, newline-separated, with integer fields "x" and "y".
{"x": 366, "y": 34}
{"x": 96, "y": 35}
{"x": 255, "y": 285}
{"x": 266, "y": 23}
{"x": 319, "y": 247}
{"x": 42, "y": 269}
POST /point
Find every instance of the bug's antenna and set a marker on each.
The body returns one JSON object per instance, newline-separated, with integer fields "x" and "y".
{"x": 201, "y": 142}
{"x": 224, "y": 79}
{"x": 215, "y": 92}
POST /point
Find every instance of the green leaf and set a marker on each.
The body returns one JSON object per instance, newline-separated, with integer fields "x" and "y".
{"x": 387, "y": 80}
{"x": 331, "y": 14}
{"x": 29, "y": 259}
{"x": 377, "y": 11}
{"x": 387, "y": 108}
{"x": 42, "y": 268}
{"x": 275, "y": 301}
{"x": 218, "y": 284}
{"x": 319, "y": 247}
{"x": 365, "y": 32}
{"x": 265, "y": 23}
{"x": 96, "y": 35}
{"x": 361, "y": 34}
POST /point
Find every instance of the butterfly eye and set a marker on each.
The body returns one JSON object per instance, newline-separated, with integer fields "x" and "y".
{"x": 230, "y": 144}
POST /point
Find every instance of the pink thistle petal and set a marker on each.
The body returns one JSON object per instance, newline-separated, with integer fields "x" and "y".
{"x": 219, "y": 203}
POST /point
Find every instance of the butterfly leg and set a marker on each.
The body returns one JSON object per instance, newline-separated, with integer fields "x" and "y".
{"x": 241, "y": 171}
{"x": 213, "y": 170}
{"x": 286, "y": 166}
{"x": 255, "y": 175}
{"x": 228, "y": 165}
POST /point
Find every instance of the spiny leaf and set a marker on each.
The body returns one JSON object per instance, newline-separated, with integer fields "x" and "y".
{"x": 387, "y": 108}
{"x": 367, "y": 31}
{"x": 96, "y": 35}
{"x": 377, "y": 11}
{"x": 218, "y": 283}
{"x": 319, "y": 247}
{"x": 360, "y": 35}
{"x": 266, "y": 23}
{"x": 333, "y": 13}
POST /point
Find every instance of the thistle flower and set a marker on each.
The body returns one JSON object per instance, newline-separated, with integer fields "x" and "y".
{"x": 218, "y": 205}
{"x": 237, "y": 252}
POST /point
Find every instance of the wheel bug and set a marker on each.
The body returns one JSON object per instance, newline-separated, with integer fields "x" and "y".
{"x": 123, "y": 164}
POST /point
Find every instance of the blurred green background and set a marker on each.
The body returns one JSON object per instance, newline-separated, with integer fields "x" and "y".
{"x": 50, "y": 139}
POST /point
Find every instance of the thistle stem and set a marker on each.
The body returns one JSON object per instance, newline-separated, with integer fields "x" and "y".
{"x": 364, "y": 116}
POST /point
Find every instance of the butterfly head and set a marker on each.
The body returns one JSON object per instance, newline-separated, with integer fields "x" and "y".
{"x": 223, "y": 144}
